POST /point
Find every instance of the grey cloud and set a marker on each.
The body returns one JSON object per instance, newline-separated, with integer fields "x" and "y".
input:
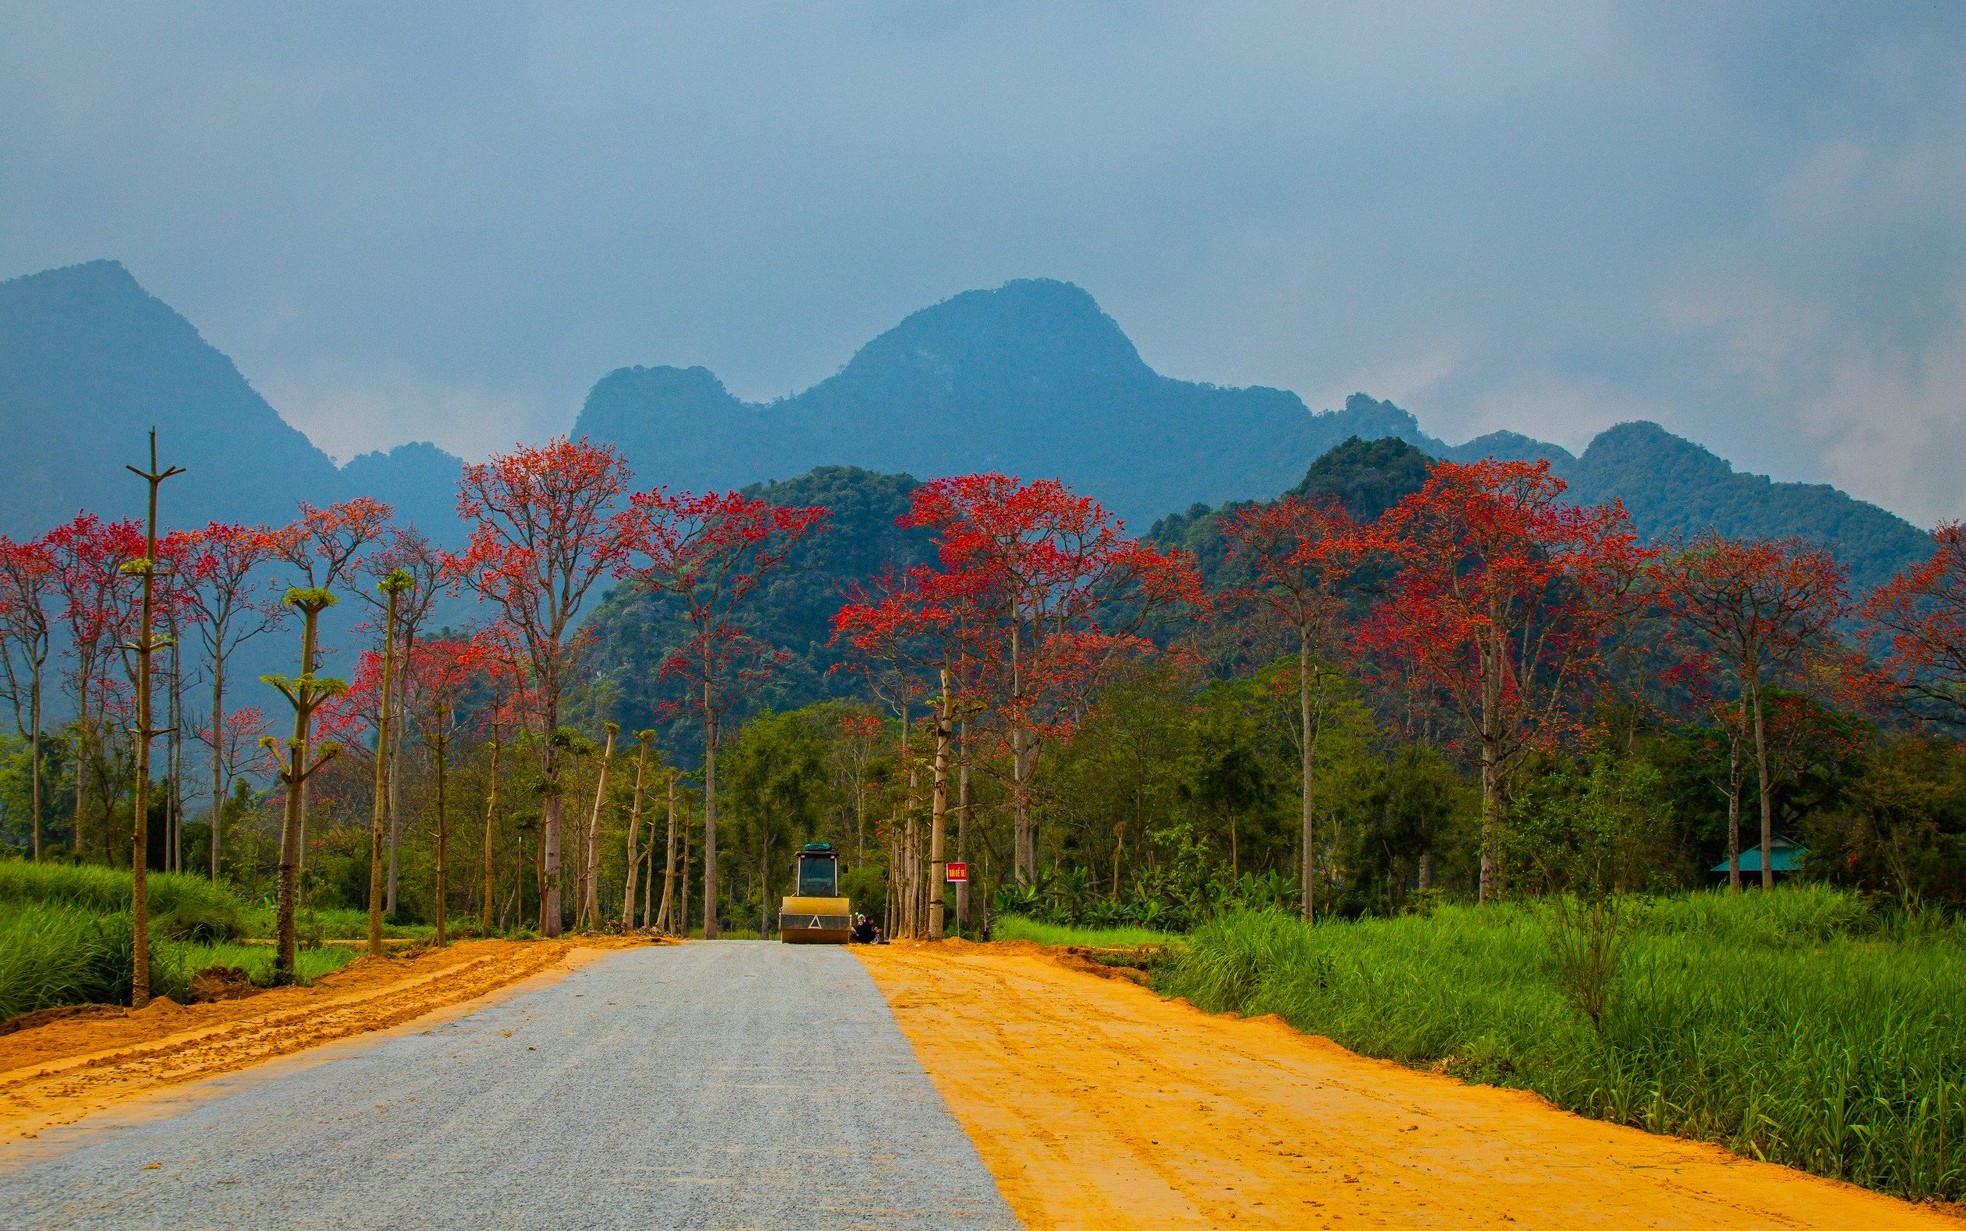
{"x": 448, "y": 220}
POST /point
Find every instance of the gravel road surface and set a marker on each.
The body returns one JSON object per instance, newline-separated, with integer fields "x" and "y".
{"x": 727, "y": 1084}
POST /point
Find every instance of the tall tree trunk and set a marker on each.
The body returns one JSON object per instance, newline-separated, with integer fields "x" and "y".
{"x": 1491, "y": 768}
{"x": 939, "y": 814}
{"x": 1767, "y": 796}
{"x": 590, "y": 900}
{"x": 549, "y": 906}
{"x": 962, "y": 826}
{"x": 1024, "y": 856}
{"x": 218, "y": 759}
{"x": 491, "y": 812}
{"x": 665, "y": 920}
{"x": 634, "y": 828}
{"x": 682, "y": 896}
{"x": 1307, "y": 740}
{"x": 34, "y": 754}
{"x": 379, "y": 806}
{"x": 283, "y": 959}
{"x": 709, "y": 810}
{"x": 395, "y": 815}
{"x": 442, "y": 748}
{"x": 1734, "y": 768}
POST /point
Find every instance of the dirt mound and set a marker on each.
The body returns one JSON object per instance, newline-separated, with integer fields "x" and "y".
{"x": 216, "y": 983}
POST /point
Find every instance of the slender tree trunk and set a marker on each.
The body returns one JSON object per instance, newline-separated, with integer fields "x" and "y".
{"x": 34, "y": 753}
{"x": 395, "y": 814}
{"x": 665, "y": 919}
{"x": 764, "y": 890}
{"x": 590, "y": 898}
{"x": 634, "y": 828}
{"x": 296, "y": 776}
{"x": 682, "y": 885}
{"x": 218, "y": 759}
{"x": 962, "y": 826}
{"x": 380, "y": 804}
{"x": 648, "y": 885}
{"x": 549, "y": 910}
{"x": 1308, "y": 743}
{"x": 1767, "y": 796}
{"x": 491, "y": 812}
{"x": 441, "y": 746}
{"x": 709, "y": 811}
{"x": 939, "y": 814}
{"x": 1025, "y": 853}
{"x": 1491, "y": 769}
{"x": 1734, "y": 768}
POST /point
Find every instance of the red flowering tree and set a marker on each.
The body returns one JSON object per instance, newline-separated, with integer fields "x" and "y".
{"x": 1062, "y": 594}
{"x": 910, "y": 634}
{"x": 1766, "y": 612}
{"x": 1502, "y": 598}
{"x": 1302, "y": 555}
{"x": 1921, "y": 617}
{"x": 709, "y": 553}
{"x": 98, "y": 617}
{"x": 439, "y": 672}
{"x": 27, "y": 614}
{"x": 402, "y": 552}
{"x": 228, "y": 599}
{"x": 546, "y": 524}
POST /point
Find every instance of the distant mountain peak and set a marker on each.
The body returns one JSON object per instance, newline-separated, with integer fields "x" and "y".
{"x": 1029, "y": 329}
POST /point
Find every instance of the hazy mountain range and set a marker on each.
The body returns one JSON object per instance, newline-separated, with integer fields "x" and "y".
{"x": 1031, "y": 378}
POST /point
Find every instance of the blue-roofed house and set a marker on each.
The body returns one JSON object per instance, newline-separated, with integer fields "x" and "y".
{"x": 1784, "y": 856}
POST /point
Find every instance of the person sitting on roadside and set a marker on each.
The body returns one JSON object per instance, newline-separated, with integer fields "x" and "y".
{"x": 865, "y": 931}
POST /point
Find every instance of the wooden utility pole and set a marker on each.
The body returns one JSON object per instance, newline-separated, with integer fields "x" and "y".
{"x": 393, "y": 586}
{"x": 145, "y": 646}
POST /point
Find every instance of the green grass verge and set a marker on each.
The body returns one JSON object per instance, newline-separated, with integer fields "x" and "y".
{"x": 339, "y": 923}
{"x": 182, "y": 907}
{"x": 66, "y": 936}
{"x": 257, "y": 960}
{"x": 1017, "y": 927}
{"x": 1797, "y": 1026}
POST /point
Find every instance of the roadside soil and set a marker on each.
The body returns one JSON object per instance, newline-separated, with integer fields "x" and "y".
{"x": 64, "y": 1064}
{"x": 1098, "y": 1104}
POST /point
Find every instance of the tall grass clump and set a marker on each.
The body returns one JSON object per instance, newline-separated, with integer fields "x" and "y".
{"x": 182, "y": 907}
{"x": 54, "y": 953}
{"x": 1798, "y": 1026}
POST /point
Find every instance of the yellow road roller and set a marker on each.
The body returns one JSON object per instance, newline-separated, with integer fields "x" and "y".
{"x": 815, "y": 913}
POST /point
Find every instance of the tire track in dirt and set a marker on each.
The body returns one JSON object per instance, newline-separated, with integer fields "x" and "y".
{"x": 62, "y": 1071}
{"x": 1096, "y": 1103}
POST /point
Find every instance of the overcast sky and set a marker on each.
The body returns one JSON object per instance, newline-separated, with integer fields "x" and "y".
{"x": 445, "y": 222}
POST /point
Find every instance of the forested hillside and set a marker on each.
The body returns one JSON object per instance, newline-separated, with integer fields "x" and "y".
{"x": 635, "y": 631}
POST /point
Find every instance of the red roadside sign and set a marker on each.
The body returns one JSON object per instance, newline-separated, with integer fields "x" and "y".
{"x": 958, "y": 873}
